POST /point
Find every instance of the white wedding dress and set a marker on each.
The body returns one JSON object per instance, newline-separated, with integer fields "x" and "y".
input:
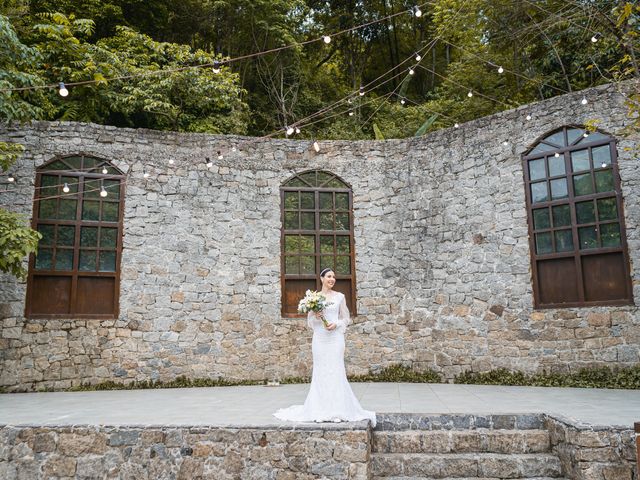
{"x": 330, "y": 398}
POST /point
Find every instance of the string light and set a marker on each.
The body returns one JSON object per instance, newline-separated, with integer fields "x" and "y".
{"x": 604, "y": 164}
{"x": 104, "y": 170}
{"x": 11, "y": 178}
{"x": 456, "y": 125}
{"x": 65, "y": 189}
{"x": 596, "y": 37}
{"x": 361, "y": 92}
{"x": 411, "y": 71}
{"x": 316, "y": 146}
{"x": 209, "y": 162}
{"x": 103, "y": 192}
{"x": 220, "y": 156}
{"x": 500, "y": 69}
{"x": 216, "y": 66}
{"x": 505, "y": 143}
{"x": 557, "y": 155}
{"x": 290, "y": 130}
{"x": 62, "y": 90}
{"x": 326, "y": 39}
{"x": 470, "y": 94}
{"x": 418, "y": 57}
{"x": 528, "y": 117}
{"x": 171, "y": 161}
{"x": 233, "y": 149}
{"x": 417, "y": 12}
{"x": 584, "y": 101}
{"x": 402, "y": 101}
{"x": 297, "y": 130}
{"x": 145, "y": 175}
{"x": 585, "y": 134}
{"x": 351, "y": 114}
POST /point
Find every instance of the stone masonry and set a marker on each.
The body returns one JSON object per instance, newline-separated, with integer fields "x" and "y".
{"x": 441, "y": 247}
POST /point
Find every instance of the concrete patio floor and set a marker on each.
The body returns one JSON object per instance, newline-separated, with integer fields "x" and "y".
{"x": 254, "y": 405}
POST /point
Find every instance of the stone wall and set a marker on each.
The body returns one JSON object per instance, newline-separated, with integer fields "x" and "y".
{"x": 441, "y": 248}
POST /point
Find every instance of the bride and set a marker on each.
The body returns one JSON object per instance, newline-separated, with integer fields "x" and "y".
{"x": 330, "y": 398}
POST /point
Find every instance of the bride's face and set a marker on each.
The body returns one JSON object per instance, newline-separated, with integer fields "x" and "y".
{"x": 329, "y": 279}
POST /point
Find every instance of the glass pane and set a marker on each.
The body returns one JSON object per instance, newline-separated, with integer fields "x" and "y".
{"x": 110, "y": 211}
{"x": 539, "y": 192}
{"x": 343, "y": 265}
{"x": 90, "y": 162}
{"x": 323, "y": 177}
{"x": 604, "y": 181}
{"x": 66, "y": 235}
{"x": 307, "y": 264}
{"x": 308, "y": 220}
{"x": 326, "y": 201}
{"x": 90, "y": 210}
{"x": 610, "y": 234}
{"x": 564, "y": 240}
{"x": 573, "y": 134}
{"x": 91, "y": 188}
{"x": 335, "y": 183}
{"x": 543, "y": 243}
{"x": 113, "y": 188}
{"x": 107, "y": 261}
{"x": 342, "y": 221}
{"x": 307, "y": 200}
{"x": 291, "y": 244}
{"x": 89, "y": 237}
{"x": 582, "y": 184}
{"x": 64, "y": 259}
{"x": 47, "y": 234}
{"x": 542, "y": 147}
{"x": 291, "y": 220}
{"x": 296, "y": 182}
{"x": 561, "y": 216}
{"x": 110, "y": 170}
{"x": 580, "y": 160}
{"x": 601, "y": 156}
{"x": 557, "y": 138}
{"x": 44, "y": 258}
{"x": 556, "y": 166}
{"x": 327, "y": 261}
{"x": 291, "y": 265}
{"x": 588, "y": 237}
{"x": 72, "y": 183}
{"x": 559, "y": 188}
{"x": 57, "y": 165}
{"x": 585, "y": 212}
{"x": 310, "y": 178}
{"x": 536, "y": 169}
{"x": 291, "y": 200}
{"x": 607, "y": 209}
{"x": 108, "y": 237}
{"x": 48, "y": 208}
{"x": 307, "y": 244}
{"x": 326, "y": 244}
{"x": 343, "y": 245}
{"x": 342, "y": 201}
{"x": 595, "y": 136}
{"x": 67, "y": 209}
{"x": 326, "y": 221}
{"x": 48, "y": 186}
{"x": 87, "y": 260}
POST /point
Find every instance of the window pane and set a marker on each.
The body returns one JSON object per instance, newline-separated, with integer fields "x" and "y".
{"x": 556, "y": 166}
{"x": 343, "y": 245}
{"x": 90, "y": 210}
{"x": 604, "y": 181}
{"x": 87, "y": 261}
{"x": 291, "y": 244}
{"x": 308, "y": 220}
{"x": 57, "y": 165}
{"x": 307, "y": 264}
{"x": 561, "y": 216}
{"x": 610, "y": 234}
{"x": 588, "y": 237}
{"x": 326, "y": 201}
{"x": 542, "y": 147}
{"x": 44, "y": 259}
{"x": 580, "y": 160}
{"x": 307, "y": 244}
{"x": 342, "y": 201}
{"x": 539, "y": 192}
{"x": 342, "y": 221}
{"x": 91, "y": 188}
{"x": 48, "y": 208}
{"x": 536, "y": 169}
{"x": 607, "y": 209}
{"x": 296, "y": 182}
{"x": 110, "y": 212}
{"x": 343, "y": 265}
{"x": 573, "y": 134}
{"x": 89, "y": 163}
{"x": 72, "y": 183}
{"x": 291, "y": 220}
{"x": 585, "y": 212}
{"x": 67, "y": 209}
{"x": 47, "y": 234}
{"x": 582, "y": 184}
{"x": 559, "y": 188}
{"x": 595, "y": 136}
{"x": 64, "y": 259}
{"x": 291, "y": 265}
{"x": 557, "y": 138}
{"x": 323, "y": 178}
{"x": 335, "y": 183}
{"x": 326, "y": 244}
{"x": 108, "y": 237}
{"x": 310, "y": 178}
{"x": 543, "y": 243}
{"x": 107, "y": 261}
{"x": 291, "y": 200}
{"x": 48, "y": 186}
{"x": 326, "y": 261}
{"x": 89, "y": 237}
{"x": 66, "y": 235}
{"x": 564, "y": 240}
{"x": 326, "y": 221}
{"x": 601, "y": 156}
{"x": 307, "y": 200}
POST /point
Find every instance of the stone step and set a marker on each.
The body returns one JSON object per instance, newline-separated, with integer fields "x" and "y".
{"x": 411, "y": 421}
{"x": 465, "y": 478}
{"x": 466, "y": 465}
{"x": 482, "y": 440}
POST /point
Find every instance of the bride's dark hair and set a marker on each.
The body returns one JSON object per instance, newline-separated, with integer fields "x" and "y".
{"x": 324, "y": 272}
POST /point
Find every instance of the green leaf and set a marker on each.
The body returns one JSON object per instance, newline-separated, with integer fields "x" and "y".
{"x": 421, "y": 131}
{"x": 377, "y": 132}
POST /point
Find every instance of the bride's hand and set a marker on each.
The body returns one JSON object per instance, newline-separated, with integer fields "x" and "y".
{"x": 331, "y": 326}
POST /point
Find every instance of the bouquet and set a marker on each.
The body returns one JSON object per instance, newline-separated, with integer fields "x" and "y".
{"x": 314, "y": 302}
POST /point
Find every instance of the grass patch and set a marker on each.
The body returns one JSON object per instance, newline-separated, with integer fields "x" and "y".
{"x": 399, "y": 373}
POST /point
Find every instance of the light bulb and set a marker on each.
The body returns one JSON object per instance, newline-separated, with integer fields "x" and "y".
{"x": 171, "y": 161}
{"x": 316, "y": 146}
{"x": 505, "y": 143}
{"x": 104, "y": 170}
{"x": 585, "y": 134}
{"x": 351, "y": 114}
{"x": 326, "y": 39}
{"x": 234, "y": 149}
{"x": 595, "y": 38}
{"x": 584, "y": 101}
{"x": 290, "y": 130}
{"x": 65, "y": 189}
{"x": 216, "y": 66}
{"x": 62, "y": 90}
{"x": 209, "y": 162}
{"x": 220, "y": 156}
{"x": 411, "y": 71}
{"x": 500, "y": 69}
{"x": 103, "y": 192}
{"x": 557, "y": 155}
{"x": 297, "y": 130}
{"x": 145, "y": 175}
{"x": 361, "y": 91}
{"x": 417, "y": 12}
{"x": 456, "y": 125}
{"x": 528, "y": 117}
{"x": 604, "y": 165}
{"x": 470, "y": 94}
{"x": 402, "y": 101}
{"x": 418, "y": 57}
{"x": 11, "y": 179}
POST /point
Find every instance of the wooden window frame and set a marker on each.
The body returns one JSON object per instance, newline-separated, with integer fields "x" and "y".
{"x": 577, "y": 254}
{"x": 75, "y": 274}
{"x": 317, "y": 232}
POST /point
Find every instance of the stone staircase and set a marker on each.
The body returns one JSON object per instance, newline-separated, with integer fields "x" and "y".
{"x": 459, "y": 447}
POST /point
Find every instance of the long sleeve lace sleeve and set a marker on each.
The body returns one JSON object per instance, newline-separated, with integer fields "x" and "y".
{"x": 344, "y": 318}
{"x": 311, "y": 318}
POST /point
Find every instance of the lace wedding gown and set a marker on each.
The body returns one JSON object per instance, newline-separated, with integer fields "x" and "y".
{"x": 330, "y": 397}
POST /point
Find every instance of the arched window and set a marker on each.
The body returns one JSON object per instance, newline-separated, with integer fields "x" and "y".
{"x": 317, "y": 232}
{"x": 78, "y": 209}
{"x": 576, "y": 223}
